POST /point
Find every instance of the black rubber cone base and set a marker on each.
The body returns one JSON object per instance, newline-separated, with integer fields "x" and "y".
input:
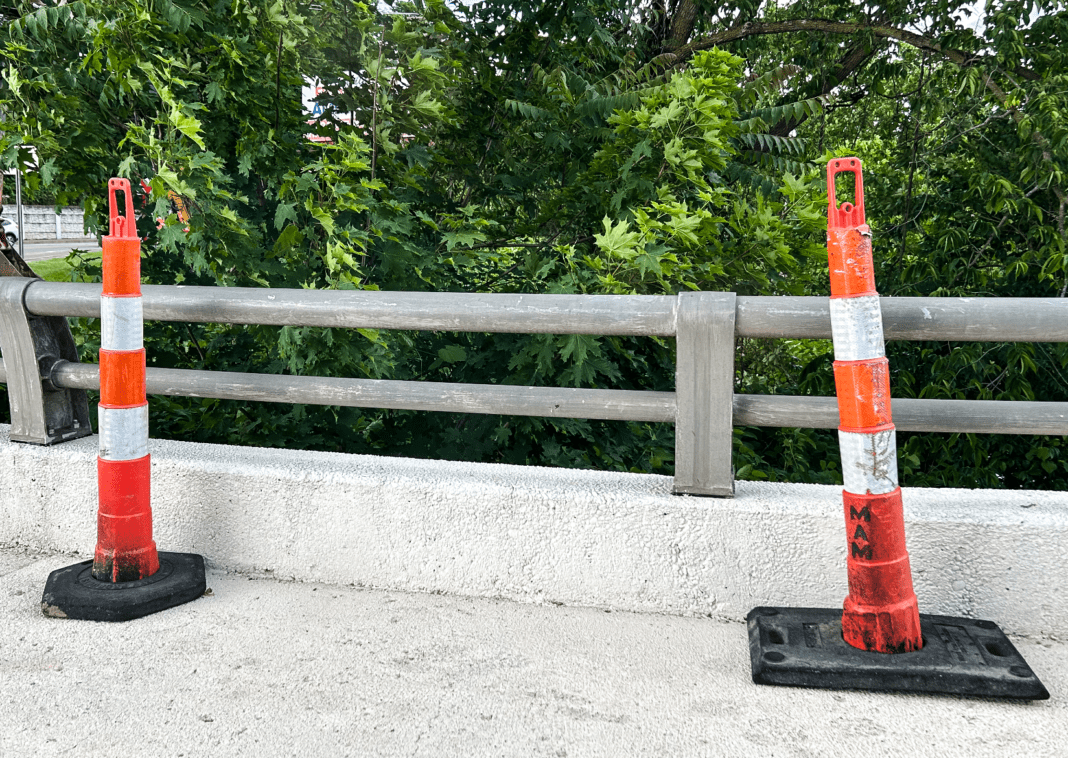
{"x": 73, "y": 593}
{"x": 803, "y": 647}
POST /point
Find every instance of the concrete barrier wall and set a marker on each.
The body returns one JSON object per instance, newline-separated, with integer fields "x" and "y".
{"x": 611, "y": 540}
{"x": 39, "y": 222}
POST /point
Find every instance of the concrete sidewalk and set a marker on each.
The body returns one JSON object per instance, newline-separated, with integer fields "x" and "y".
{"x": 262, "y": 667}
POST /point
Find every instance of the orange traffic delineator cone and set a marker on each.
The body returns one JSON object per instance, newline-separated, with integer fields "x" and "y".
{"x": 127, "y": 577}
{"x": 880, "y": 613}
{"x": 879, "y": 640}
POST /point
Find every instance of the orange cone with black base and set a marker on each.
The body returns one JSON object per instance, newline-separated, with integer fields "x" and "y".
{"x": 879, "y": 640}
{"x": 127, "y": 577}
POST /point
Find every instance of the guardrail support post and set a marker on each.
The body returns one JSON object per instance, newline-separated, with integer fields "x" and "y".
{"x": 704, "y": 392}
{"x": 41, "y": 413}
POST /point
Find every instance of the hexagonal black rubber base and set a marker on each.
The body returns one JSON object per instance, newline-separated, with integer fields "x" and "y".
{"x": 803, "y": 647}
{"x": 72, "y": 592}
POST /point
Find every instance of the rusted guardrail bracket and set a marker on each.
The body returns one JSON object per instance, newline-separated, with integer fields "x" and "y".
{"x": 41, "y": 413}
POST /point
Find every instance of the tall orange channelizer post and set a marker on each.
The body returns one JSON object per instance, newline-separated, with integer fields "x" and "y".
{"x": 127, "y": 577}
{"x": 878, "y": 640}
{"x": 881, "y": 613}
{"x": 124, "y": 549}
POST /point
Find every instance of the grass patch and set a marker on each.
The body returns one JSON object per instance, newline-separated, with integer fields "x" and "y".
{"x": 58, "y": 269}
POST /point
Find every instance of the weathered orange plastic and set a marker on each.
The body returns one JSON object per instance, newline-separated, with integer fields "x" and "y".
{"x": 863, "y": 394}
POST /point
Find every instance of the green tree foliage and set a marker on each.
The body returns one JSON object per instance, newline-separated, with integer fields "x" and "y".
{"x": 583, "y": 147}
{"x": 963, "y": 137}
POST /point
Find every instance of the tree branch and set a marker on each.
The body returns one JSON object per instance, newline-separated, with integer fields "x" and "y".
{"x": 959, "y": 57}
{"x": 757, "y": 28}
{"x": 853, "y": 60}
{"x": 278, "y": 84}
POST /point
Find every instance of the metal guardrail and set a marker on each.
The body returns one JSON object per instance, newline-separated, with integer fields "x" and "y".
{"x": 966, "y": 319}
{"x": 704, "y": 406}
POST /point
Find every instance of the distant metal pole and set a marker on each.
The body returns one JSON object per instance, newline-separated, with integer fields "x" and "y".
{"x": 18, "y": 213}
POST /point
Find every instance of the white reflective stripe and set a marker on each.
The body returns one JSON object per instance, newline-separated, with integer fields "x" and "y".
{"x": 122, "y": 323}
{"x": 869, "y": 462}
{"x": 857, "y": 328}
{"x": 123, "y": 433}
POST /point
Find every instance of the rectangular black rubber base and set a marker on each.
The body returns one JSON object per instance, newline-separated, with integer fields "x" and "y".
{"x": 803, "y": 647}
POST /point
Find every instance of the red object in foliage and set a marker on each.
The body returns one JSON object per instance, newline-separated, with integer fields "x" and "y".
{"x": 880, "y": 613}
{"x": 124, "y": 550}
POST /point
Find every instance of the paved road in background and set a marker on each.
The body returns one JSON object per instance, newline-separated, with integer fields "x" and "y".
{"x": 269, "y": 668}
{"x": 42, "y": 250}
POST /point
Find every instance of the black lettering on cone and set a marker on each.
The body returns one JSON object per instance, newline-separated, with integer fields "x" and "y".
{"x": 855, "y": 550}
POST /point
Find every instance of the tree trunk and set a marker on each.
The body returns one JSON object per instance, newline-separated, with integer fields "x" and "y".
{"x": 682, "y": 23}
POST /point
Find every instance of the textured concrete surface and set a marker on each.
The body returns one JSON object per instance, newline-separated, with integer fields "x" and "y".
{"x": 580, "y": 538}
{"x": 14, "y": 558}
{"x": 268, "y": 668}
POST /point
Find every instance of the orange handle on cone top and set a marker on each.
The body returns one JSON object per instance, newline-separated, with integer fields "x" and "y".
{"x": 122, "y": 247}
{"x": 848, "y": 236}
{"x": 122, "y": 227}
{"x": 848, "y": 214}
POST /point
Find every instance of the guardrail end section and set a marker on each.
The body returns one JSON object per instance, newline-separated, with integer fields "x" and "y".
{"x": 41, "y": 413}
{"x": 704, "y": 391}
